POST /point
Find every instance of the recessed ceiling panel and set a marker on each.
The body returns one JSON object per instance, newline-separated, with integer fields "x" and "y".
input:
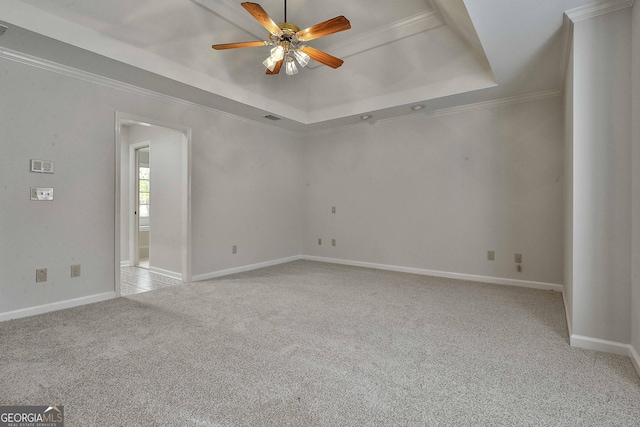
{"x": 396, "y": 52}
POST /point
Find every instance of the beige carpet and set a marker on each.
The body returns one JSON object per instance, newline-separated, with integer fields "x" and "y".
{"x": 306, "y": 344}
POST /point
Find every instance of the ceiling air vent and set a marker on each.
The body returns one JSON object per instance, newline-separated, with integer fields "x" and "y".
{"x": 272, "y": 117}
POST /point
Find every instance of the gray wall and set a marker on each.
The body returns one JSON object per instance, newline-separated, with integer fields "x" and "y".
{"x": 436, "y": 193}
{"x": 245, "y": 185}
{"x": 635, "y": 307}
{"x": 602, "y": 177}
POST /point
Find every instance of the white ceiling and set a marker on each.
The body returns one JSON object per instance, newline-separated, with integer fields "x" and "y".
{"x": 437, "y": 53}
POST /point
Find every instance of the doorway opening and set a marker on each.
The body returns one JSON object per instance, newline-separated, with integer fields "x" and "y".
{"x": 142, "y": 211}
{"x": 153, "y": 212}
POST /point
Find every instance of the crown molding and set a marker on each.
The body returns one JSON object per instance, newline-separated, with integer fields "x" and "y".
{"x": 428, "y": 20}
{"x": 582, "y": 14}
{"x": 494, "y": 103}
{"x": 43, "y": 64}
{"x": 596, "y": 9}
{"x": 392, "y": 32}
{"x": 234, "y": 14}
{"x": 75, "y": 73}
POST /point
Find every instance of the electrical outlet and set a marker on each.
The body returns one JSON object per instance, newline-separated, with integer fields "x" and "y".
{"x": 491, "y": 255}
{"x": 41, "y": 275}
{"x": 319, "y": 241}
{"x": 234, "y": 249}
{"x": 75, "y": 270}
{"x": 41, "y": 194}
{"x": 333, "y": 242}
{"x": 333, "y": 209}
{"x": 518, "y": 258}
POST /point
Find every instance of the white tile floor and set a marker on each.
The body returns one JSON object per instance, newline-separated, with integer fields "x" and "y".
{"x": 134, "y": 280}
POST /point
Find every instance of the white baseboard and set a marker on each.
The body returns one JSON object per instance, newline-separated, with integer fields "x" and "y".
{"x": 566, "y": 311}
{"x": 597, "y": 344}
{"x": 243, "y": 268}
{"x": 124, "y": 264}
{"x": 635, "y": 358}
{"x": 167, "y": 273}
{"x": 60, "y": 305}
{"x": 424, "y": 272}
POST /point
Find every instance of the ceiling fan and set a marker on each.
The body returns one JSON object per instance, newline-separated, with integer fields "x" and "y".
{"x": 286, "y": 40}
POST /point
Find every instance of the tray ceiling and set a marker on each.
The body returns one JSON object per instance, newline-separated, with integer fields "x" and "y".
{"x": 436, "y": 53}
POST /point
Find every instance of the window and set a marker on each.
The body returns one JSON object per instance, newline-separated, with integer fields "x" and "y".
{"x": 143, "y": 191}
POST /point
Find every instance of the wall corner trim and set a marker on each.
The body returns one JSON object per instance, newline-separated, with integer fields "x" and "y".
{"x": 55, "y": 306}
{"x": 446, "y": 274}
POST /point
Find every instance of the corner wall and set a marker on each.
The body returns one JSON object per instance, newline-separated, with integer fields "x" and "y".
{"x": 602, "y": 181}
{"x": 436, "y": 193}
{"x": 567, "y": 292}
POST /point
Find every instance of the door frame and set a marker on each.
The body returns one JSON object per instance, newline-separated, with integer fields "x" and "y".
{"x": 185, "y": 199}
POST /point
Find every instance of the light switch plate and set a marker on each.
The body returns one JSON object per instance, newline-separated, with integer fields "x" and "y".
{"x": 41, "y": 194}
{"x": 42, "y": 166}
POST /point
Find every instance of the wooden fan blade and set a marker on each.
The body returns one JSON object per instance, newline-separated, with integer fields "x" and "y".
{"x": 337, "y": 24}
{"x": 322, "y": 57}
{"x": 263, "y": 17}
{"x": 276, "y": 70}
{"x": 239, "y": 45}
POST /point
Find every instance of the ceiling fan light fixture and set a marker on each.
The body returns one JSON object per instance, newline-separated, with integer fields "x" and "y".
{"x": 365, "y": 117}
{"x": 417, "y": 107}
{"x": 270, "y": 63}
{"x": 285, "y": 39}
{"x": 301, "y": 57}
{"x": 291, "y": 66}
{"x": 277, "y": 53}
